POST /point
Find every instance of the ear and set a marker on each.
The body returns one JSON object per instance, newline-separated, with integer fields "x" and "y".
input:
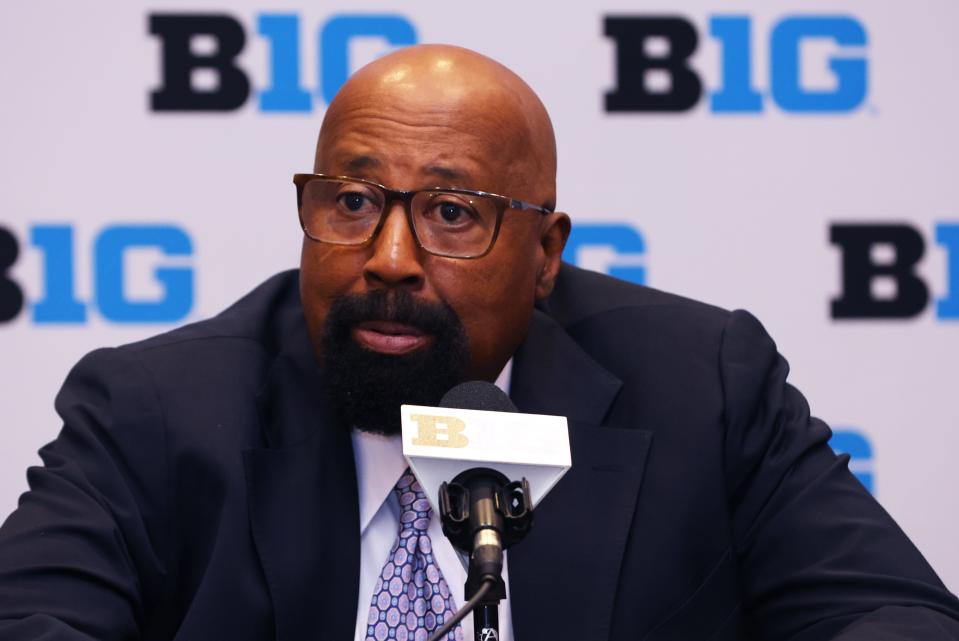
{"x": 553, "y": 235}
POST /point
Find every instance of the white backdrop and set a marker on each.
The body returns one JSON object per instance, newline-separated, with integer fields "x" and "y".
{"x": 734, "y": 209}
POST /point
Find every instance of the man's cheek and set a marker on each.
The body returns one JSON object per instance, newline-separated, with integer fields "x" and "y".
{"x": 333, "y": 273}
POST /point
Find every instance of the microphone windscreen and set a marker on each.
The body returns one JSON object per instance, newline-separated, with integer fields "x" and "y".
{"x": 478, "y": 395}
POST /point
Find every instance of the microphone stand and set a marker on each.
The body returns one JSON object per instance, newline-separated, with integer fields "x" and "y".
{"x": 484, "y": 513}
{"x": 486, "y": 612}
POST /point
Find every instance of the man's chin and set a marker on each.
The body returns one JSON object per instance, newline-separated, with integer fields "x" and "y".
{"x": 368, "y": 386}
{"x": 382, "y": 351}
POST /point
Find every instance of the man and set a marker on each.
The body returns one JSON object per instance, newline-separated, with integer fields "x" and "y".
{"x": 234, "y": 479}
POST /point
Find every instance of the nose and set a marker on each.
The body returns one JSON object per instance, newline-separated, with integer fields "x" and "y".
{"x": 395, "y": 261}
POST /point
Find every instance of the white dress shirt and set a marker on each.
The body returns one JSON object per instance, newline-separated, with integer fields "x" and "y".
{"x": 379, "y": 465}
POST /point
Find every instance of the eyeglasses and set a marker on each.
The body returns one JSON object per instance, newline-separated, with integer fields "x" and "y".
{"x": 458, "y": 223}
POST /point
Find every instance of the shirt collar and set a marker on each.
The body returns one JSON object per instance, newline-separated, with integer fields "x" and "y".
{"x": 503, "y": 380}
{"x": 380, "y": 462}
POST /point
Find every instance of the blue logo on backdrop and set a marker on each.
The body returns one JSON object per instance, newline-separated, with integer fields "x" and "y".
{"x": 879, "y": 276}
{"x": 855, "y": 443}
{"x": 617, "y": 249}
{"x": 653, "y": 72}
{"x": 112, "y": 251}
{"x": 185, "y": 63}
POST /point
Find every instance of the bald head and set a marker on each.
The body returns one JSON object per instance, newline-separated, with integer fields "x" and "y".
{"x": 457, "y": 109}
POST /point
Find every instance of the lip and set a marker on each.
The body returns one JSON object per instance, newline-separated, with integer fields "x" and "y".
{"x": 388, "y": 337}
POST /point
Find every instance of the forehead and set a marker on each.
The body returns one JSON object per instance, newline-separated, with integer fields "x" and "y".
{"x": 476, "y": 143}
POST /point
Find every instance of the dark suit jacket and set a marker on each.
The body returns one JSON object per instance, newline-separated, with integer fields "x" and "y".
{"x": 199, "y": 491}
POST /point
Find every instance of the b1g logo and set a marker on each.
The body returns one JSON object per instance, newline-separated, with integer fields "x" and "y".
{"x": 653, "y": 72}
{"x": 617, "y": 249}
{"x": 200, "y": 72}
{"x": 879, "y": 278}
{"x": 439, "y": 431}
{"x": 112, "y": 256}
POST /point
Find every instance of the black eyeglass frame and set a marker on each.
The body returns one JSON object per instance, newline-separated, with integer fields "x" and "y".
{"x": 503, "y": 202}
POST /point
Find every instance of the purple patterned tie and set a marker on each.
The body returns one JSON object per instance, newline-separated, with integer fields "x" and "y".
{"x": 411, "y": 598}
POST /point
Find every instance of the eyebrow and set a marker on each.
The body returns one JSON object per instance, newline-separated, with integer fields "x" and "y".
{"x": 448, "y": 173}
{"x": 362, "y": 162}
{"x": 454, "y": 174}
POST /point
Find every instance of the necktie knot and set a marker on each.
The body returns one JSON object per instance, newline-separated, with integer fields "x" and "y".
{"x": 415, "y": 510}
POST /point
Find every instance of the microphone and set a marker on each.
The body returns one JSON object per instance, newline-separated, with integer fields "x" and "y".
{"x": 464, "y": 454}
{"x": 479, "y": 504}
{"x": 478, "y": 395}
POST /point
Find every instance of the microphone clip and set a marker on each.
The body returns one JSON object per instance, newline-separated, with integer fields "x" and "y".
{"x": 481, "y": 498}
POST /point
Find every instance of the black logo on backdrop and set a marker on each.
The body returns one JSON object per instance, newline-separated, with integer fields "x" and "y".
{"x": 179, "y": 61}
{"x": 632, "y": 62}
{"x": 892, "y": 252}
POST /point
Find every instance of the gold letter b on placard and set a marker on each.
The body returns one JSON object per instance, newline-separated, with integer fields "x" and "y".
{"x": 439, "y": 431}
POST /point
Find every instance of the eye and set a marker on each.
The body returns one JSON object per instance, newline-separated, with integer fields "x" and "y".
{"x": 451, "y": 213}
{"x": 356, "y": 202}
{"x": 353, "y": 202}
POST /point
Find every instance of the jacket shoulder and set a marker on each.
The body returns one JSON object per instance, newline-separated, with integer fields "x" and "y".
{"x": 261, "y": 318}
{"x": 198, "y": 384}
{"x": 581, "y": 295}
{"x": 228, "y": 355}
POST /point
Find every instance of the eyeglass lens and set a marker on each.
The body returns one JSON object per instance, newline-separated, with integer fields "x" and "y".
{"x": 444, "y": 222}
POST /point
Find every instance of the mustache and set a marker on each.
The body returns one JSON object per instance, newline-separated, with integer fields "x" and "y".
{"x": 398, "y": 306}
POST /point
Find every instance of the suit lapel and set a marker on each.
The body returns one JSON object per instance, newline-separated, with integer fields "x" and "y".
{"x": 563, "y": 578}
{"x": 303, "y": 503}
